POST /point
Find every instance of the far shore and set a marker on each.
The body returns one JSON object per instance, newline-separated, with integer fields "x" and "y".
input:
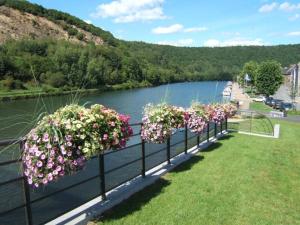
{"x": 27, "y": 94}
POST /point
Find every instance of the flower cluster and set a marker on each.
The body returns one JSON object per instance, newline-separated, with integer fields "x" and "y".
{"x": 62, "y": 142}
{"x": 216, "y": 113}
{"x": 197, "y": 118}
{"x": 159, "y": 121}
{"x": 230, "y": 109}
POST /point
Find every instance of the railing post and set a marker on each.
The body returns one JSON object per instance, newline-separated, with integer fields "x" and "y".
{"x": 221, "y": 127}
{"x": 216, "y": 127}
{"x": 185, "y": 139}
{"x": 251, "y": 123}
{"x": 26, "y": 195}
{"x": 102, "y": 175}
{"x": 198, "y": 140}
{"x": 207, "y": 132}
{"x": 226, "y": 124}
{"x": 168, "y": 151}
{"x": 143, "y": 159}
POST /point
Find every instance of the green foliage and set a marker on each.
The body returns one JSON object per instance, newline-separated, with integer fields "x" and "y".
{"x": 269, "y": 77}
{"x": 72, "y": 31}
{"x": 9, "y": 83}
{"x": 80, "y": 36}
{"x": 251, "y": 69}
{"x": 55, "y": 79}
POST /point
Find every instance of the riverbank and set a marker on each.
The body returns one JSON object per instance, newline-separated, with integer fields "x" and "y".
{"x": 27, "y": 94}
{"x": 238, "y": 94}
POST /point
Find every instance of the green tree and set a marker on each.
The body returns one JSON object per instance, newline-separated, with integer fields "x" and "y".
{"x": 250, "y": 68}
{"x": 269, "y": 77}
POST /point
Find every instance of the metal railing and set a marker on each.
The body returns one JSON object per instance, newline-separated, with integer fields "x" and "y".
{"x": 252, "y": 122}
{"x": 21, "y": 204}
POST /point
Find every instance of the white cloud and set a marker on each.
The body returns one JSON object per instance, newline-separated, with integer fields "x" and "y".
{"x": 268, "y": 7}
{"x": 294, "y": 33}
{"x": 168, "y": 30}
{"x": 295, "y": 17}
{"x": 125, "y": 11}
{"x": 179, "y": 43}
{"x": 88, "y": 21}
{"x": 212, "y": 43}
{"x": 286, "y": 6}
{"x": 195, "y": 29}
{"x": 233, "y": 42}
{"x": 175, "y": 28}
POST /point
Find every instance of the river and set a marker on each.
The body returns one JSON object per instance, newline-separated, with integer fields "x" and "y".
{"x": 17, "y": 117}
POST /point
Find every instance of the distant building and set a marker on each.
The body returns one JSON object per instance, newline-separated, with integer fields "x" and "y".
{"x": 294, "y": 79}
{"x": 287, "y": 76}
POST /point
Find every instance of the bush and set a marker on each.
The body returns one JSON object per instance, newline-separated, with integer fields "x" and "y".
{"x": 9, "y": 83}
{"x": 72, "y": 31}
{"x": 80, "y": 36}
{"x": 55, "y": 79}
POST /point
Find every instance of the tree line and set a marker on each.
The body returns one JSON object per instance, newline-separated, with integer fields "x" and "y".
{"x": 58, "y": 63}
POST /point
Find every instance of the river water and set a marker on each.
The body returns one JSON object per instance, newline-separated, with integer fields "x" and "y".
{"x": 17, "y": 117}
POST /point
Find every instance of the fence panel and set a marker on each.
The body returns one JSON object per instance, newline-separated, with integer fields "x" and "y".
{"x": 116, "y": 163}
{"x": 51, "y": 207}
{"x": 155, "y": 154}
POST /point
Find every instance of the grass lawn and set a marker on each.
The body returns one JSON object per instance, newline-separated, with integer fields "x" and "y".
{"x": 239, "y": 180}
{"x": 260, "y": 106}
{"x": 294, "y": 113}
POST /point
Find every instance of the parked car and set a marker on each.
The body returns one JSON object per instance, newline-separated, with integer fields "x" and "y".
{"x": 260, "y": 98}
{"x": 273, "y": 102}
{"x": 286, "y": 106}
{"x": 268, "y": 101}
{"x": 277, "y": 103}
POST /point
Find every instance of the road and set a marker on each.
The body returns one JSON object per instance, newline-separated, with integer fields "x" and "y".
{"x": 283, "y": 93}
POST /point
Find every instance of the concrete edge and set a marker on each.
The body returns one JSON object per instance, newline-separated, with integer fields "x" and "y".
{"x": 95, "y": 207}
{"x": 276, "y": 132}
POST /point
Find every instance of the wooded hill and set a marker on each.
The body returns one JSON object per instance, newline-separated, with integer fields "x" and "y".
{"x": 76, "y": 54}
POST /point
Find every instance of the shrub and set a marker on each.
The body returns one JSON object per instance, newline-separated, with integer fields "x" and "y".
{"x": 80, "y": 36}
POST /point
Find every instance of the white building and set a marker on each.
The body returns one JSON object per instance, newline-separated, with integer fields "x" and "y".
{"x": 294, "y": 71}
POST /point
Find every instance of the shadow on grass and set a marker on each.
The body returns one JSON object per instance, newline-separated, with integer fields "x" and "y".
{"x": 212, "y": 147}
{"x": 134, "y": 203}
{"x": 188, "y": 164}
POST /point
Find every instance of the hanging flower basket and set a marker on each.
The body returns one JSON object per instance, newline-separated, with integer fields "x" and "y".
{"x": 160, "y": 121}
{"x": 62, "y": 142}
{"x": 216, "y": 113}
{"x": 197, "y": 118}
{"x": 230, "y": 109}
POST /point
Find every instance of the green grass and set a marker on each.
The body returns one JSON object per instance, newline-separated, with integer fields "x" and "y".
{"x": 237, "y": 181}
{"x": 294, "y": 113}
{"x": 260, "y": 106}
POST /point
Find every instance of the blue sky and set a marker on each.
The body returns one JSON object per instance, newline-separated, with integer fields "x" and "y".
{"x": 191, "y": 22}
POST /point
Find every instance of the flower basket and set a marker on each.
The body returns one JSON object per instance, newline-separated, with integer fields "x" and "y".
{"x": 197, "y": 118}
{"x": 160, "y": 121}
{"x": 62, "y": 142}
{"x": 216, "y": 113}
{"x": 230, "y": 109}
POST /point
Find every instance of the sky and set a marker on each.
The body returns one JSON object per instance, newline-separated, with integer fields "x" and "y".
{"x": 193, "y": 23}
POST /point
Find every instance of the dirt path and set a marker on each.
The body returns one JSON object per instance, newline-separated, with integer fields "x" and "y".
{"x": 238, "y": 95}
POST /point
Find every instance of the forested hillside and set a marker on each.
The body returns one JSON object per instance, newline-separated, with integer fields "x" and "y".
{"x": 52, "y": 62}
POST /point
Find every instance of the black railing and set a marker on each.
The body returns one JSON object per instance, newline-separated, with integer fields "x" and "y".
{"x": 20, "y": 204}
